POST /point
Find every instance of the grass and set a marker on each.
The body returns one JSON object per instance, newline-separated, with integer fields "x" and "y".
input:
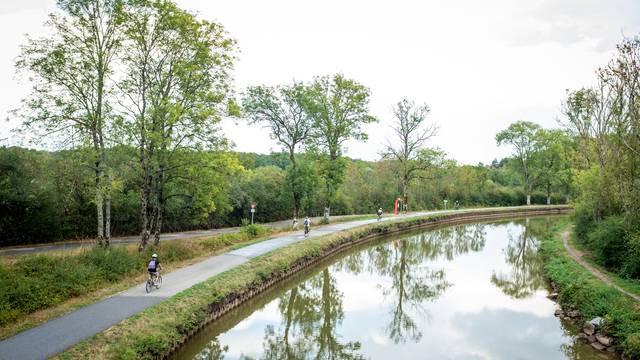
{"x": 155, "y": 331}
{"x": 579, "y": 289}
{"x": 631, "y": 285}
{"x": 40, "y": 287}
{"x": 82, "y": 276}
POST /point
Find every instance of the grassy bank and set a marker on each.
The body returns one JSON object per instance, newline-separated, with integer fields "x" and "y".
{"x": 579, "y": 289}
{"x": 38, "y": 287}
{"x": 154, "y": 332}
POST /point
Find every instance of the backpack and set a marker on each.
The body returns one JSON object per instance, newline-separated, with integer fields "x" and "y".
{"x": 152, "y": 265}
{"x": 306, "y": 222}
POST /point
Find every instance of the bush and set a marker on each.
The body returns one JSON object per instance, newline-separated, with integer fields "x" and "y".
{"x": 631, "y": 265}
{"x": 254, "y": 230}
{"x": 608, "y": 241}
{"x": 584, "y": 222}
{"x": 632, "y": 346}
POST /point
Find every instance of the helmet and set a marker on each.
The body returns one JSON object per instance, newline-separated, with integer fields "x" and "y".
{"x": 154, "y": 255}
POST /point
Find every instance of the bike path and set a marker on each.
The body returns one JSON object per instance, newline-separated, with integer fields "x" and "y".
{"x": 134, "y": 239}
{"x": 63, "y": 332}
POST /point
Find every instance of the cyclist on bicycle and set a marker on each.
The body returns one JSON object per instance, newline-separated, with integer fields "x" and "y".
{"x": 154, "y": 266}
{"x": 379, "y": 213}
{"x": 307, "y": 226}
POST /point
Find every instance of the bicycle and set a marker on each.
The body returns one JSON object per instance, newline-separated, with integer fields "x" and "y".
{"x": 155, "y": 280}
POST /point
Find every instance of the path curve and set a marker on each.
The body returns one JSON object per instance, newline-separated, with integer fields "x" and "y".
{"x": 577, "y": 256}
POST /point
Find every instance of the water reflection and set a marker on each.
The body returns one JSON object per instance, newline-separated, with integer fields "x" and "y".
{"x": 526, "y": 265}
{"x": 456, "y": 292}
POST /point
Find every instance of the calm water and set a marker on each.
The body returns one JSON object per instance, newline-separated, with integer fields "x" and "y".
{"x": 460, "y": 292}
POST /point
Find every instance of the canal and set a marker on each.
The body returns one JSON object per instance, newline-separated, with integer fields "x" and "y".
{"x": 473, "y": 291}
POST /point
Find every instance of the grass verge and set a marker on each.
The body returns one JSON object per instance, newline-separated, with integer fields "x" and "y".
{"x": 155, "y": 332}
{"x": 40, "y": 287}
{"x": 579, "y": 289}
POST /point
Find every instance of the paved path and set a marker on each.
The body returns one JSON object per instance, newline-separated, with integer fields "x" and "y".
{"x": 59, "y": 334}
{"x": 124, "y": 240}
{"x": 577, "y": 256}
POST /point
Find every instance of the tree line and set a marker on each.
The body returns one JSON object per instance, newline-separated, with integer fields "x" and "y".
{"x": 605, "y": 122}
{"x": 132, "y": 93}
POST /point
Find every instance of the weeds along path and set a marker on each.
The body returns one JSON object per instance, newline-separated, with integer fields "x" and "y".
{"x": 577, "y": 256}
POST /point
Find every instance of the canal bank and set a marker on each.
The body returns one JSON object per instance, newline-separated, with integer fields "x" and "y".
{"x": 159, "y": 330}
{"x": 596, "y": 308}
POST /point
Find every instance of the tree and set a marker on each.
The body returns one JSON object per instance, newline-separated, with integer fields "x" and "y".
{"x": 412, "y": 134}
{"x": 554, "y": 160}
{"x": 176, "y": 87}
{"x": 339, "y": 109}
{"x": 522, "y": 135}
{"x": 282, "y": 110}
{"x": 72, "y": 92}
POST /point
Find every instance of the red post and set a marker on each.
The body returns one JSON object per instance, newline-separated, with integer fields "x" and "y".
{"x": 395, "y": 207}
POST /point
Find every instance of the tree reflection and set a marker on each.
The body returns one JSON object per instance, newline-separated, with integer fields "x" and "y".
{"x": 312, "y": 313}
{"x": 526, "y": 263}
{"x": 212, "y": 351}
{"x": 411, "y": 286}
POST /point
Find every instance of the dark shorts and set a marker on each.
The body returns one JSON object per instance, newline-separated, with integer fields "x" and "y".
{"x": 152, "y": 270}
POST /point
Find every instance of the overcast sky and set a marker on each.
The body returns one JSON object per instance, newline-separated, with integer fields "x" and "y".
{"x": 479, "y": 65}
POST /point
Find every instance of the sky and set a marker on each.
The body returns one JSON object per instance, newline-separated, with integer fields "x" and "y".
{"x": 479, "y": 65}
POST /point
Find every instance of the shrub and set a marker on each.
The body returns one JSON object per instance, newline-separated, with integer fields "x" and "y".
{"x": 253, "y": 230}
{"x": 608, "y": 241}
{"x": 631, "y": 265}
{"x": 584, "y": 222}
{"x": 632, "y": 346}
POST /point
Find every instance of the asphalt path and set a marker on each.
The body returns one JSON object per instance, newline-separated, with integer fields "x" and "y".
{"x": 126, "y": 240}
{"x": 63, "y": 332}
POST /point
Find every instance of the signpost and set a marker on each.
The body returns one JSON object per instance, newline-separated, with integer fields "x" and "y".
{"x": 253, "y": 211}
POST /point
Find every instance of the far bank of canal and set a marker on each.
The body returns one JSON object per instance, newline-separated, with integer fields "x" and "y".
{"x": 463, "y": 291}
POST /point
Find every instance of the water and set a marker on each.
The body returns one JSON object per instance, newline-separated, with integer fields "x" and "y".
{"x": 460, "y": 292}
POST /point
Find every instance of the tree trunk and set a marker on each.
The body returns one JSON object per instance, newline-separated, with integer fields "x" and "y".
{"x": 99, "y": 203}
{"x": 107, "y": 221}
{"x": 144, "y": 201}
{"x": 405, "y": 192}
{"x": 159, "y": 204}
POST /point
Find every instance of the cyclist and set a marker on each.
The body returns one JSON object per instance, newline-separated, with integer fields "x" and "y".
{"x": 307, "y": 226}
{"x": 379, "y": 213}
{"x": 154, "y": 266}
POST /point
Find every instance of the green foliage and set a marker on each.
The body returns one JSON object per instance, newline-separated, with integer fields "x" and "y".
{"x": 608, "y": 241}
{"x": 253, "y": 231}
{"x": 581, "y": 290}
{"x": 38, "y": 282}
{"x": 631, "y": 263}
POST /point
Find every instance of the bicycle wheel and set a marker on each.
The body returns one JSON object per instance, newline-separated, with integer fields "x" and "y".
{"x": 158, "y": 281}
{"x": 148, "y": 286}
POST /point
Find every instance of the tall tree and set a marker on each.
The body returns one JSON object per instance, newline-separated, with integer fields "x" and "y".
{"x": 554, "y": 161}
{"x": 177, "y": 87}
{"x": 72, "y": 91}
{"x": 412, "y": 132}
{"x": 339, "y": 108}
{"x": 522, "y": 135}
{"x": 282, "y": 110}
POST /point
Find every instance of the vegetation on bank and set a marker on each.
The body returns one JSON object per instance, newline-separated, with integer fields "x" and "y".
{"x": 605, "y": 122}
{"x": 579, "y": 289}
{"x": 32, "y": 283}
{"x": 172, "y": 319}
